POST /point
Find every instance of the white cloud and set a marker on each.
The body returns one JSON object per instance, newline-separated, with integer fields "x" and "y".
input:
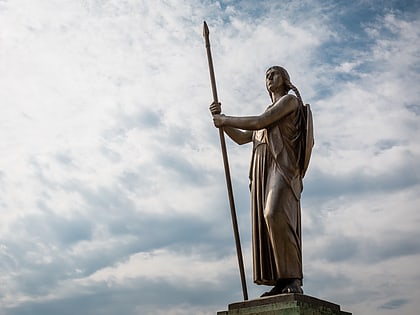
{"x": 161, "y": 265}
{"x": 111, "y": 170}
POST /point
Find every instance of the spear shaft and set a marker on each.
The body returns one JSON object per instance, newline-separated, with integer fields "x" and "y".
{"x": 226, "y": 166}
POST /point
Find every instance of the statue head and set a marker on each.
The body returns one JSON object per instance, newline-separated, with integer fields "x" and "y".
{"x": 286, "y": 83}
{"x": 285, "y": 77}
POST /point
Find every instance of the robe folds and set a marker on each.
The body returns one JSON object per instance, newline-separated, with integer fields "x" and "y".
{"x": 276, "y": 186}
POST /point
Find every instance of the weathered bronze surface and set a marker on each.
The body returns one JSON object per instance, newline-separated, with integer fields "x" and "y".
{"x": 282, "y": 143}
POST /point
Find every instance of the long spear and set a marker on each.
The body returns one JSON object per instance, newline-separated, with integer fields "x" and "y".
{"x": 226, "y": 165}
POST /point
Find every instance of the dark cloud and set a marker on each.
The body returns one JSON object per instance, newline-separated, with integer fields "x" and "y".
{"x": 180, "y": 169}
{"x": 149, "y": 118}
{"x": 53, "y": 264}
{"x": 102, "y": 200}
{"x": 179, "y": 136}
{"x": 403, "y": 175}
{"x": 402, "y": 244}
{"x": 317, "y": 282}
{"x": 386, "y": 144}
{"x": 414, "y": 108}
{"x": 393, "y": 304}
{"x": 41, "y": 279}
{"x": 179, "y": 233}
{"x": 140, "y": 296}
{"x": 144, "y": 119}
{"x": 52, "y": 228}
{"x": 341, "y": 248}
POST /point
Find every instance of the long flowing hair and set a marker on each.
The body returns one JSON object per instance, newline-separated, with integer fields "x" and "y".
{"x": 302, "y": 117}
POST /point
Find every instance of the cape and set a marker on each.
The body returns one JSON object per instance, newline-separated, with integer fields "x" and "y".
{"x": 309, "y": 138}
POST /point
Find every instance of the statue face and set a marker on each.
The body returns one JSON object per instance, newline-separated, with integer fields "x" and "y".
{"x": 274, "y": 80}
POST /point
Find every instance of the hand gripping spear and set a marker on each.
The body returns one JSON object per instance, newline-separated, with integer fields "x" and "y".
{"x": 226, "y": 165}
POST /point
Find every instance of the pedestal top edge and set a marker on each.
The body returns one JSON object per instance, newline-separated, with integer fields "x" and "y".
{"x": 282, "y": 298}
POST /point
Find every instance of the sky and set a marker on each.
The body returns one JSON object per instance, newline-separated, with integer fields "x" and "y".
{"x": 112, "y": 191}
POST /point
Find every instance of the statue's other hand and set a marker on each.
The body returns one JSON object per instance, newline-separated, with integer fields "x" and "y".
{"x": 219, "y": 120}
{"x": 215, "y": 108}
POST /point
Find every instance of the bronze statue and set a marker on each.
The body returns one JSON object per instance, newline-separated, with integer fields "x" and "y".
{"x": 282, "y": 139}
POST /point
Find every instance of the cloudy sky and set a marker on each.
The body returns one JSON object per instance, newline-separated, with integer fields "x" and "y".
{"x": 112, "y": 191}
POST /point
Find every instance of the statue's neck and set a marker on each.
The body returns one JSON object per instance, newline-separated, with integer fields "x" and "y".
{"x": 277, "y": 95}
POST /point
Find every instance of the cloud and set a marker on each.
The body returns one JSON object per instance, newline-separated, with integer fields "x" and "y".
{"x": 112, "y": 189}
{"x": 394, "y": 304}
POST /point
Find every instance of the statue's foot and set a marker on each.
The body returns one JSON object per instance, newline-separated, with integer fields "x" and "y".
{"x": 293, "y": 287}
{"x": 274, "y": 291}
{"x": 277, "y": 289}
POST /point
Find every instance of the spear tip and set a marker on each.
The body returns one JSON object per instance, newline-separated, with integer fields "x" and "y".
{"x": 205, "y": 29}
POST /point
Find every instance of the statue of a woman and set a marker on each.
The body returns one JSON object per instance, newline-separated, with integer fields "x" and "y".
{"x": 279, "y": 160}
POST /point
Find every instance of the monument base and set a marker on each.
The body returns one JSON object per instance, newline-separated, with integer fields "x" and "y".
{"x": 284, "y": 304}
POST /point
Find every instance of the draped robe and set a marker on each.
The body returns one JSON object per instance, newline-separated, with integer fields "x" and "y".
{"x": 276, "y": 186}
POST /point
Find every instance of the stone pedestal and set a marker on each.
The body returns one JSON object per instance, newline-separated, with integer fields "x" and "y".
{"x": 284, "y": 304}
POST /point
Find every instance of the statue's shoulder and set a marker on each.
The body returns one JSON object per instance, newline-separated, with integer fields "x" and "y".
{"x": 290, "y": 98}
{"x": 287, "y": 103}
